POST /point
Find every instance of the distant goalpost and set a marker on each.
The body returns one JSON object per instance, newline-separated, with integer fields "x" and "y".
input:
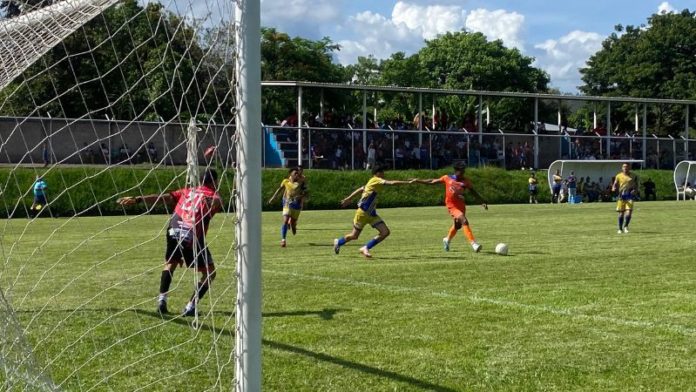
{"x": 595, "y": 169}
{"x": 77, "y": 294}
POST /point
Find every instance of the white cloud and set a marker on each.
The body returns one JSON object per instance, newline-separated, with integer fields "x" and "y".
{"x": 298, "y": 16}
{"x": 665, "y": 8}
{"x": 498, "y": 24}
{"x": 429, "y": 20}
{"x": 563, "y": 57}
{"x": 411, "y": 23}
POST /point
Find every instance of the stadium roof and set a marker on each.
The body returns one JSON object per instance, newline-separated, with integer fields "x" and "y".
{"x": 475, "y": 92}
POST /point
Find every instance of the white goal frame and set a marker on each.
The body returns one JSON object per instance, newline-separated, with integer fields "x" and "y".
{"x": 684, "y": 172}
{"x": 605, "y": 168}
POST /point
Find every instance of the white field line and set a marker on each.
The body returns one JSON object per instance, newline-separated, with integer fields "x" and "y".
{"x": 641, "y": 324}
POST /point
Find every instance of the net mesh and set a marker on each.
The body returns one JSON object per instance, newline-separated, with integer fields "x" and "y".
{"x": 101, "y": 100}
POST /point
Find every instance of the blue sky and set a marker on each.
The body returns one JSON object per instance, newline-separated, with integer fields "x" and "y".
{"x": 560, "y": 34}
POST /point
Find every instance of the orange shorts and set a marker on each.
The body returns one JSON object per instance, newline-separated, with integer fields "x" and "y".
{"x": 456, "y": 211}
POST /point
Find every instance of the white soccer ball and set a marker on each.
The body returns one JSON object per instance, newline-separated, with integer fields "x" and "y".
{"x": 501, "y": 249}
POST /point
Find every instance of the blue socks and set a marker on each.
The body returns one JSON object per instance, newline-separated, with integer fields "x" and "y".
{"x": 628, "y": 220}
{"x": 371, "y": 244}
{"x": 341, "y": 241}
{"x": 621, "y": 221}
{"x": 283, "y": 231}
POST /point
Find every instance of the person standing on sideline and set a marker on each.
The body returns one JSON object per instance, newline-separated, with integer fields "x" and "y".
{"x": 45, "y": 155}
{"x": 572, "y": 187}
{"x": 533, "y": 188}
{"x": 39, "y": 189}
{"x": 625, "y": 182}
{"x": 366, "y": 214}
{"x": 556, "y": 187}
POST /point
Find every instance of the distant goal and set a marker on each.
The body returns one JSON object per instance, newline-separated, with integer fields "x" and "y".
{"x": 605, "y": 169}
{"x": 684, "y": 177}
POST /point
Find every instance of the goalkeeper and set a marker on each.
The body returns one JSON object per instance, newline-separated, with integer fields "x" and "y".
{"x": 194, "y": 208}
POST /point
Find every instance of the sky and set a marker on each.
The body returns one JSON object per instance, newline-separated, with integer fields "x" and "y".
{"x": 561, "y": 35}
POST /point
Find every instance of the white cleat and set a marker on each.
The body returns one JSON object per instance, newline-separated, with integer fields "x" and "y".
{"x": 477, "y": 247}
{"x": 365, "y": 252}
{"x": 445, "y": 244}
{"x": 619, "y": 232}
{"x": 625, "y": 230}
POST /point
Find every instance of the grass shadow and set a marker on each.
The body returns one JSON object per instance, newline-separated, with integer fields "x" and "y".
{"x": 307, "y": 353}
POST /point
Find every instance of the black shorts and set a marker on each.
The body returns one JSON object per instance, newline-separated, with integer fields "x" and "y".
{"x": 533, "y": 192}
{"x": 177, "y": 250}
{"x": 40, "y": 199}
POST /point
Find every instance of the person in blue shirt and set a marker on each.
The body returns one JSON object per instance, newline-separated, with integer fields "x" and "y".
{"x": 39, "y": 188}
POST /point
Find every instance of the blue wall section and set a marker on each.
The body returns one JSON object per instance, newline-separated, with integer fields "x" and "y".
{"x": 273, "y": 156}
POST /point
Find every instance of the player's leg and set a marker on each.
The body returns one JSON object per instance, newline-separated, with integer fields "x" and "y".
{"x": 455, "y": 213}
{"x": 469, "y": 234}
{"x": 284, "y": 227}
{"x": 173, "y": 258}
{"x": 359, "y": 222}
{"x": 621, "y": 209}
{"x": 206, "y": 267}
{"x": 294, "y": 216}
{"x": 384, "y": 232}
{"x": 627, "y": 215}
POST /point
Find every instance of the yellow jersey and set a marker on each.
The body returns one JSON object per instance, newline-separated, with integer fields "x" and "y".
{"x": 292, "y": 193}
{"x": 368, "y": 200}
{"x": 626, "y": 184}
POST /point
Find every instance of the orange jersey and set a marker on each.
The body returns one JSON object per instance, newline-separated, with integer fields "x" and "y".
{"x": 454, "y": 191}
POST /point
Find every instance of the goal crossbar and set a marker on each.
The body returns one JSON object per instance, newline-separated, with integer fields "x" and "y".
{"x": 28, "y": 37}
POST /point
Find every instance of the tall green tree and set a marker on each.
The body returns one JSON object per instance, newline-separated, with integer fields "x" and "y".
{"x": 656, "y": 60}
{"x": 297, "y": 59}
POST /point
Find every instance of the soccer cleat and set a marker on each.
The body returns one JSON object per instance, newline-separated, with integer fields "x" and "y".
{"x": 365, "y": 252}
{"x": 619, "y": 232}
{"x": 625, "y": 230}
{"x": 162, "y": 307}
{"x": 337, "y": 247}
{"x": 189, "y": 312}
{"x": 445, "y": 244}
{"x": 283, "y": 244}
{"x": 477, "y": 247}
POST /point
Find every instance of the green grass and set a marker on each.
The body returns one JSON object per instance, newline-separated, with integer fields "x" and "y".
{"x": 574, "y": 307}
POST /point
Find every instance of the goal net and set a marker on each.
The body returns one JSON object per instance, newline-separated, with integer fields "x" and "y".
{"x": 99, "y": 101}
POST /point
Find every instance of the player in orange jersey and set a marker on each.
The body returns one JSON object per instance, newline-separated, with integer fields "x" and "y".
{"x": 455, "y": 185}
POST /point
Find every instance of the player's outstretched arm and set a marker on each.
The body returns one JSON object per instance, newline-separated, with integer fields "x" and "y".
{"x": 484, "y": 204}
{"x": 427, "y": 182}
{"x": 275, "y": 194}
{"x": 398, "y": 182}
{"x": 165, "y": 198}
{"x": 347, "y": 199}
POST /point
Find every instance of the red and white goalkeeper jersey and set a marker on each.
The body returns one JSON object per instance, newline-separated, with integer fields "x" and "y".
{"x": 195, "y": 207}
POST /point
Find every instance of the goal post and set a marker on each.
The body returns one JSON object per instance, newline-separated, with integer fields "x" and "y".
{"x": 595, "y": 169}
{"x": 684, "y": 177}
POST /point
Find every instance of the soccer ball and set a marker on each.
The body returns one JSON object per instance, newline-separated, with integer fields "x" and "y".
{"x": 38, "y": 207}
{"x": 501, "y": 249}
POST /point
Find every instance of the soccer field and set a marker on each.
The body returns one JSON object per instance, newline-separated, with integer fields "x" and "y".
{"x": 575, "y": 306}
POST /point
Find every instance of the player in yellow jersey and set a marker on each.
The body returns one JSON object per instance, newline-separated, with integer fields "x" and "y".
{"x": 627, "y": 185}
{"x": 366, "y": 214}
{"x": 292, "y": 200}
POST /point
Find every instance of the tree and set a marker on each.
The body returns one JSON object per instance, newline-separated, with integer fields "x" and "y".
{"x": 298, "y": 59}
{"x": 654, "y": 60}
